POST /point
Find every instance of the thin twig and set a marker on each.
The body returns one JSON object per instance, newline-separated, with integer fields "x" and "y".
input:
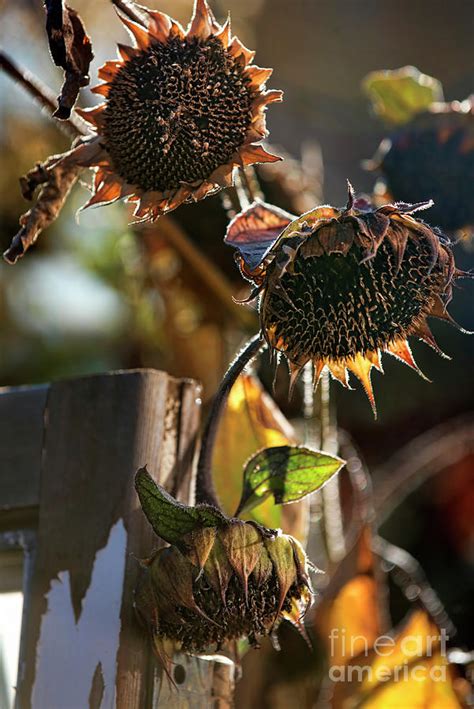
{"x": 205, "y": 492}
{"x": 131, "y": 10}
{"x": 408, "y": 574}
{"x": 411, "y": 578}
{"x": 242, "y": 196}
{"x": 42, "y": 94}
{"x": 363, "y": 517}
{"x": 249, "y": 181}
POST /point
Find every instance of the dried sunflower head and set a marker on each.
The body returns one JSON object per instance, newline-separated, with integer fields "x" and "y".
{"x": 433, "y": 155}
{"x": 340, "y": 286}
{"x": 221, "y": 579}
{"x": 181, "y": 110}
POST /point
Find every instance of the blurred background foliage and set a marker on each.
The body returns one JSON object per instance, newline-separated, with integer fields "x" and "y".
{"x": 96, "y": 294}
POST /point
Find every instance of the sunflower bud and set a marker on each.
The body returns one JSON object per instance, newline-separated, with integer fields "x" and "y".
{"x": 223, "y": 580}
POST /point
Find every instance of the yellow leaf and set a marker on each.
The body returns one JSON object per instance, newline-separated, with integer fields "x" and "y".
{"x": 399, "y": 95}
{"x": 413, "y": 673}
{"x": 348, "y": 619}
{"x": 351, "y": 623}
{"x": 252, "y": 421}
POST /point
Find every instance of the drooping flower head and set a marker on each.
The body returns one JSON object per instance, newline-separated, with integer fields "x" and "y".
{"x": 340, "y": 286}
{"x": 433, "y": 154}
{"x": 428, "y": 150}
{"x": 220, "y": 579}
{"x": 182, "y": 109}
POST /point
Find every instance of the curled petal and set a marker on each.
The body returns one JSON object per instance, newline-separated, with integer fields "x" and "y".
{"x": 108, "y": 191}
{"x": 296, "y": 369}
{"x": 281, "y": 553}
{"x": 200, "y": 543}
{"x": 254, "y": 231}
{"x": 236, "y": 48}
{"x": 266, "y": 98}
{"x": 101, "y": 89}
{"x": 251, "y": 154}
{"x": 258, "y": 75}
{"x": 397, "y": 237}
{"x": 224, "y": 34}
{"x": 424, "y": 333}
{"x": 218, "y": 570}
{"x": 108, "y": 70}
{"x": 401, "y": 350}
{"x": 361, "y": 367}
{"x": 94, "y": 115}
{"x": 138, "y": 33}
{"x": 159, "y": 25}
{"x": 243, "y": 544}
{"x": 203, "y": 22}
{"x": 126, "y": 53}
{"x": 338, "y": 371}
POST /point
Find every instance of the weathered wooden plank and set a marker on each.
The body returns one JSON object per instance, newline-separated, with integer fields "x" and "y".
{"x": 21, "y": 441}
{"x": 83, "y": 644}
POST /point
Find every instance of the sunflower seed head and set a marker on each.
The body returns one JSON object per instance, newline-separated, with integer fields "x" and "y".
{"x": 230, "y": 583}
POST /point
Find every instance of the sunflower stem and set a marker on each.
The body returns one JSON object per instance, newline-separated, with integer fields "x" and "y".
{"x": 333, "y": 526}
{"x": 240, "y": 190}
{"x": 42, "y": 94}
{"x": 205, "y": 492}
{"x": 249, "y": 180}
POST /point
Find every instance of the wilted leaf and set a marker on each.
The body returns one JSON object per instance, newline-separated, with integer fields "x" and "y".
{"x": 55, "y": 177}
{"x": 397, "y": 96}
{"x": 251, "y": 421}
{"x": 288, "y": 473}
{"x": 170, "y": 519}
{"x": 254, "y": 231}
{"x": 71, "y": 49}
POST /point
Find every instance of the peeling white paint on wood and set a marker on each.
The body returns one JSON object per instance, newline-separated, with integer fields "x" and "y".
{"x": 68, "y": 653}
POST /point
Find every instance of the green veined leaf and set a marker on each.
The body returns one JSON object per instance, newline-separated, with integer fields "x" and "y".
{"x": 170, "y": 519}
{"x": 397, "y": 96}
{"x": 289, "y": 473}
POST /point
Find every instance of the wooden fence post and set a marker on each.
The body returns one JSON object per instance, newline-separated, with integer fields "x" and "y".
{"x": 68, "y": 455}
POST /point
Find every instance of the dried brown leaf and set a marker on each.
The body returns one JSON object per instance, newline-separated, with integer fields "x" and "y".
{"x": 55, "y": 177}
{"x": 70, "y": 49}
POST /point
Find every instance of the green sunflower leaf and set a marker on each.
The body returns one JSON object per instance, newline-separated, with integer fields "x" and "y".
{"x": 288, "y": 473}
{"x": 170, "y": 519}
{"x": 398, "y": 95}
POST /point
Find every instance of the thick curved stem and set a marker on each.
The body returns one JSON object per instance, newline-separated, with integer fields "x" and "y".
{"x": 205, "y": 492}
